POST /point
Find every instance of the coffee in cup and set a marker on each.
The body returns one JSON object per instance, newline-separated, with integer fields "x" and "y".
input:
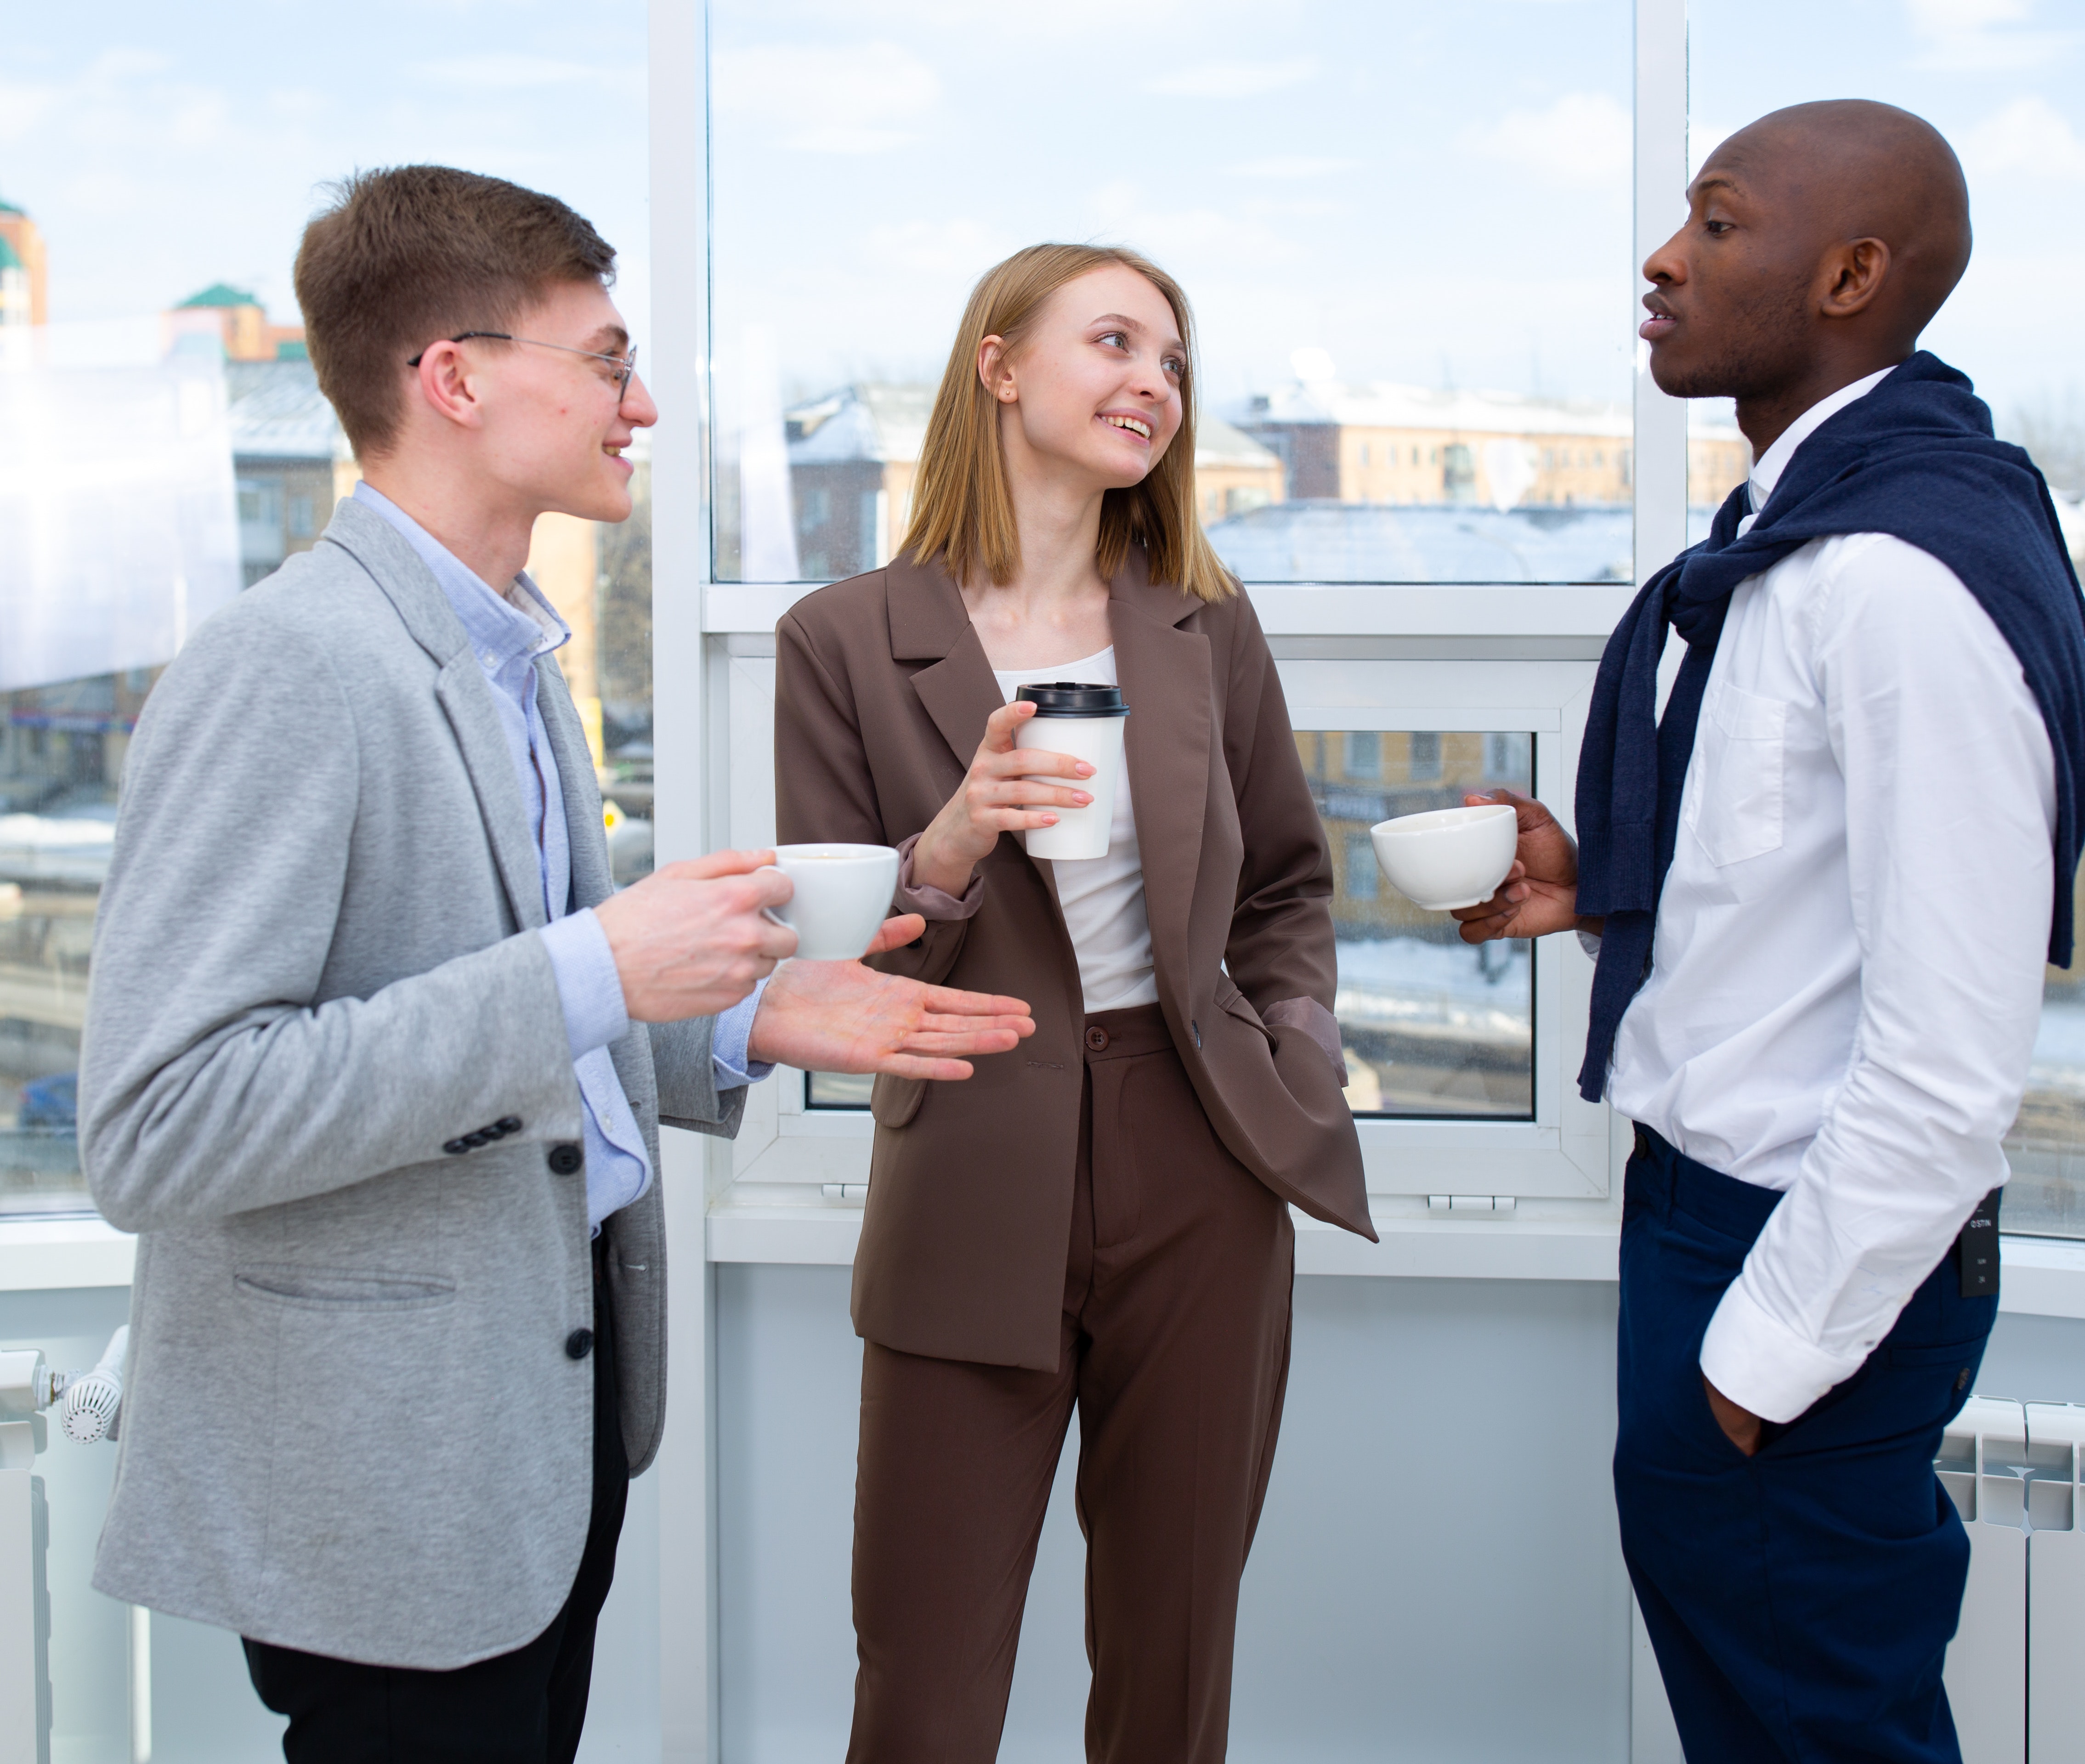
{"x": 1086, "y": 722}
{"x": 843, "y": 896}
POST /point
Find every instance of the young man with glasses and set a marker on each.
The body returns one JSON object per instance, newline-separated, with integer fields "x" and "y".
{"x": 375, "y": 1057}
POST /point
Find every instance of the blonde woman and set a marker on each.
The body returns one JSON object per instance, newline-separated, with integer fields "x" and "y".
{"x": 1100, "y": 1219}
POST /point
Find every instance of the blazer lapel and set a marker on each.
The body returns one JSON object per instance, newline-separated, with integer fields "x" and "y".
{"x": 1164, "y": 676}
{"x": 928, "y": 622}
{"x": 584, "y": 834}
{"x": 465, "y": 695}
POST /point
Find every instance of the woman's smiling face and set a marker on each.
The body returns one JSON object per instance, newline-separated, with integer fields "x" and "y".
{"x": 1095, "y": 388}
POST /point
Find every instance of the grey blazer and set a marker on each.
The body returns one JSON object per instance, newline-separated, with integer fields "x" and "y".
{"x": 349, "y": 1424}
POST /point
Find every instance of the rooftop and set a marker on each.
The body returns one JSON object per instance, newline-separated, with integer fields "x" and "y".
{"x": 277, "y": 412}
{"x": 1329, "y": 541}
{"x": 222, "y": 294}
{"x": 1383, "y": 405}
{"x": 888, "y": 423}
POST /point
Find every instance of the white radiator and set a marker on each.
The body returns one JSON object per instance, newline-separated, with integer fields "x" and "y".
{"x": 2016, "y": 1671}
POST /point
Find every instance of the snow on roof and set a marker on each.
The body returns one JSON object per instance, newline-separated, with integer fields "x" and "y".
{"x": 1381, "y": 404}
{"x": 888, "y": 423}
{"x": 1327, "y": 542}
{"x": 277, "y": 412}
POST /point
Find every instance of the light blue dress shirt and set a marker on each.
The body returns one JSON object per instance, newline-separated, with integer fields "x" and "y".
{"x": 506, "y": 636}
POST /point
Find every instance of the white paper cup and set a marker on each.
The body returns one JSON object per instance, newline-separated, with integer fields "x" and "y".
{"x": 1448, "y": 858}
{"x": 1080, "y": 833}
{"x": 843, "y": 895}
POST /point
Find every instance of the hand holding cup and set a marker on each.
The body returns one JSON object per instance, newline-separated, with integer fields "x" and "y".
{"x": 1002, "y": 792}
{"x": 1539, "y": 894}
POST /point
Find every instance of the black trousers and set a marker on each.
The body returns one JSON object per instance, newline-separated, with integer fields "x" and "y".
{"x": 525, "y": 1707}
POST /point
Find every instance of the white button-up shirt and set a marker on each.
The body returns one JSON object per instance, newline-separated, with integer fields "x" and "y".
{"x": 1847, "y": 974}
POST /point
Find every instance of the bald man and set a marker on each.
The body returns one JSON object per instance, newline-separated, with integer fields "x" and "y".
{"x": 1820, "y": 890}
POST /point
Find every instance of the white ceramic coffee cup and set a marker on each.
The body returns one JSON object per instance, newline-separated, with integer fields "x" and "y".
{"x": 1086, "y": 722}
{"x": 1448, "y": 858}
{"x": 842, "y": 896}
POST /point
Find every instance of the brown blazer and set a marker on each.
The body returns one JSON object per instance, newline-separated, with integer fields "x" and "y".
{"x": 882, "y": 690}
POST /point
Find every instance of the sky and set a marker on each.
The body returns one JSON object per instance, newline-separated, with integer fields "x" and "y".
{"x": 170, "y": 146}
{"x": 1431, "y": 193}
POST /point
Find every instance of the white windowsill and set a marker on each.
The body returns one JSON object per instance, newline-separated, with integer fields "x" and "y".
{"x": 50, "y": 1254}
{"x": 2043, "y": 1277}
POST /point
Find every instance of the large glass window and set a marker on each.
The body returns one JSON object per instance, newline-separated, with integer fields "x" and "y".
{"x": 163, "y": 444}
{"x": 2002, "y": 82}
{"x": 1328, "y": 187}
{"x": 1429, "y": 1024}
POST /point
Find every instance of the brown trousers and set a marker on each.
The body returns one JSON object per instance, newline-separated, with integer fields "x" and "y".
{"x": 1175, "y": 1348}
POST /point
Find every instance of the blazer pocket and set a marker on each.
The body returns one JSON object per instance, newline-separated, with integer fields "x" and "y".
{"x": 341, "y": 1289}
{"x": 1229, "y": 998}
{"x": 1740, "y": 748}
{"x": 893, "y": 1102}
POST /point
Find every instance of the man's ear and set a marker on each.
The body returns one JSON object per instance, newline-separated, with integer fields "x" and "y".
{"x": 1854, "y": 275}
{"x": 443, "y": 382}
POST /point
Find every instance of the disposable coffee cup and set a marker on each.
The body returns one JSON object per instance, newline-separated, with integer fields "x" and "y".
{"x": 843, "y": 896}
{"x": 1085, "y": 722}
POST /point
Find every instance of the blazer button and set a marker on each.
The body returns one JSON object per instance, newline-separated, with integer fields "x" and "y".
{"x": 1096, "y": 1039}
{"x": 508, "y": 1123}
{"x": 455, "y": 1148}
{"x": 578, "y": 1344}
{"x": 565, "y": 1159}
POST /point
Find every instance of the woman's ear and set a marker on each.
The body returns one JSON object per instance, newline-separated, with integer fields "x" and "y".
{"x": 995, "y": 370}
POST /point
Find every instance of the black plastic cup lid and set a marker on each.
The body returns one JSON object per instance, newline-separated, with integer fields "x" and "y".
{"x": 1068, "y": 698}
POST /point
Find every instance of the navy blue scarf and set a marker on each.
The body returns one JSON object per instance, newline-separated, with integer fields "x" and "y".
{"x": 1914, "y": 458}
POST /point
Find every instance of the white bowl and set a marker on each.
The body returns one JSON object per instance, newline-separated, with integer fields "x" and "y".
{"x": 1448, "y": 857}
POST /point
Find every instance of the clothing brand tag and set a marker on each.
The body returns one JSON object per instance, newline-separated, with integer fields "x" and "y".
{"x": 1977, "y": 1250}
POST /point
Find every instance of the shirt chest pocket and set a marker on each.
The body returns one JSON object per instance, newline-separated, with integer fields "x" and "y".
{"x": 1739, "y": 751}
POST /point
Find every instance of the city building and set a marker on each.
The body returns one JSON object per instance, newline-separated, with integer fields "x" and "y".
{"x": 1382, "y": 442}
{"x": 290, "y": 460}
{"x": 853, "y": 454}
{"x": 24, "y": 290}
{"x": 248, "y": 336}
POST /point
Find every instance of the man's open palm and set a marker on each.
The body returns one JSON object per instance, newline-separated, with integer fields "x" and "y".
{"x": 839, "y": 1016}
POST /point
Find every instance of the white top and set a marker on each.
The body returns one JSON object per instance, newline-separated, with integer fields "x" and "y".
{"x": 1847, "y": 973}
{"x": 1102, "y": 897}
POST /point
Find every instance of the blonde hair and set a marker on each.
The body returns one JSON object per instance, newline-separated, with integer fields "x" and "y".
{"x": 962, "y": 511}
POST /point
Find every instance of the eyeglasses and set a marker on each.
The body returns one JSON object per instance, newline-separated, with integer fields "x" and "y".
{"x": 624, "y": 365}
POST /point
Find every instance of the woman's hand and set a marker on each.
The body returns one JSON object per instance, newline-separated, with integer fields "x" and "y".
{"x": 997, "y": 797}
{"x": 1540, "y": 893}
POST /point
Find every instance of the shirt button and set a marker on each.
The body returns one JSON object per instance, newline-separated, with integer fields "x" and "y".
{"x": 578, "y": 1344}
{"x": 1096, "y": 1039}
{"x": 565, "y": 1159}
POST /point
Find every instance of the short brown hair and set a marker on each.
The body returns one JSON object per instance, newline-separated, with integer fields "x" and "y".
{"x": 405, "y": 256}
{"x": 962, "y": 512}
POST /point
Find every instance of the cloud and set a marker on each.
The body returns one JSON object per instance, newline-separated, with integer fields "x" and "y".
{"x": 1983, "y": 36}
{"x": 957, "y": 248}
{"x": 1233, "y": 79}
{"x": 828, "y": 98}
{"x": 503, "y": 71}
{"x": 1583, "y": 140}
{"x": 2030, "y": 135}
{"x": 1291, "y": 165}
